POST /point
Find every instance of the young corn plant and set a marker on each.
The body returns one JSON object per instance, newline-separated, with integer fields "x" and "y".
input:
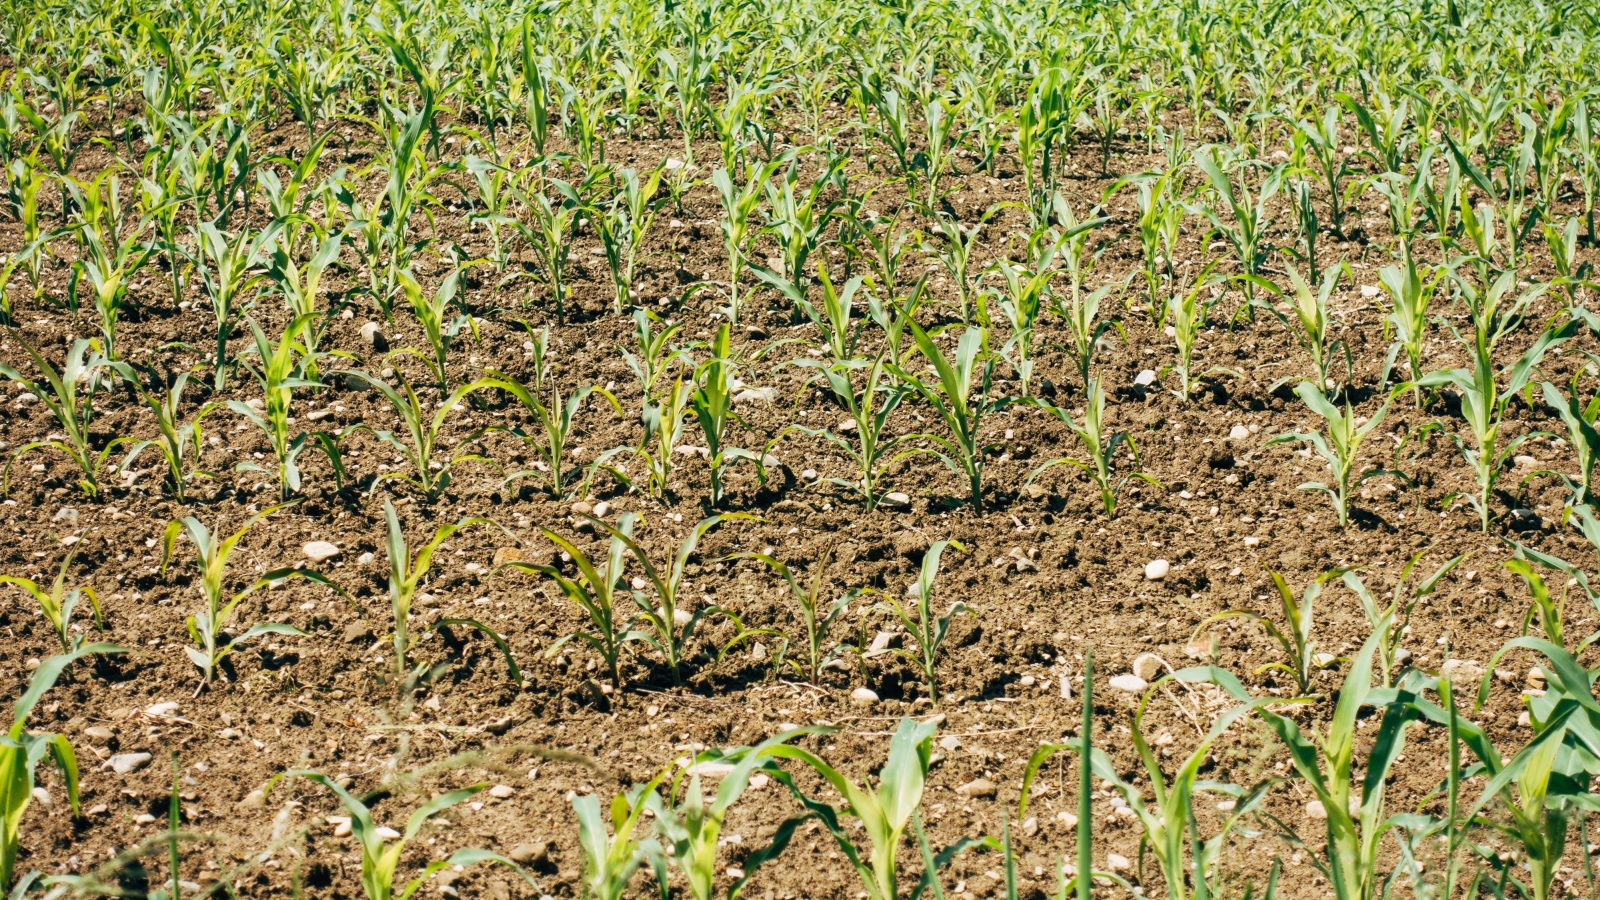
{"x": 623, "y": 225}
{"x": 739, "y": 204}
{"x": 108, "y": 258}
{"x": 1410, "y": 291}
{"x": 280, "y": 369}
{"x": 383, "y": 848}
{"x": 595, "y": 591}
{"x": 1296, "y": 636}
{"x": 1483, "y": 405}
{"x": 59, "y": 604}
{"x": 69, "y": 394}
{"x": 439, "y": 328}
{"x": 554, "y": 419}
{"x": 1340, "y": 448}
{"x": 712, "y": 403}
{"x": 817, "y": 617}
{"x": 667, "y": 626}
{"x": 691, "y": 828}
{"x": 1308, "y": 321}
{"x": 550, "y": 235}
{"x": 1550, "y": 781}
{"x": 1582, "y": 436}
{"x": 1187, "y": 314}
{"x": 925, "y": 627}
{"x": 1189, "y": 861}
{"x": 177, "y": 439}
{"x": 431, "y": 464}
{"x": 663, "y": 418}
{"x": 1026, "y": 295}
{"x": 228, "y": 266}
{"x": 869, "y": 408}
{"x": 652, "y": 355}
{"x": 884, "y": 813}
{"x": 1247, "y": 233}
{"x": 211, "y": 627}
{"x": 961, "y": 399}
{"x": 1100, "y": 446}
{"x": 406, "y": 571}
{"x": 1398, "y": 612}
{"x": 22, "y": 750}
{"x": 1351, "y": 858}
{"x": 610, "y": 860}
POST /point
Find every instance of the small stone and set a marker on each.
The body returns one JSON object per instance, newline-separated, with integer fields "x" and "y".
{"x": 895, "y": 500}
{"x": 1145, "y": 378}
{"x": 501, "y": 791}
{"x": 1030, "y": 826}
{"x": 530, "y": 852}
{"x": 127, "y": 763}
{"x": 162, "y": 710}
{"x": 372, "y": 333}
{"x": 1131, "y": 683}
{"x": 601, "y": 508}
{"x": 98, "y": 733}
{"x": 357, "y": 633}
{"x": 320, "y": 551}
{"x": 808, "y": 475}
{"x": 582, "y": 508}
{"x": 1147, "y": 666}
{"x": 1156, "y": 569}
{"x": 1238, "y": 433}
{"x": 1116, "y": 862}
{"x": 365, "y": 559}
{"x": 1536, "y": 680}
{"x": 978, "y": 788}
{"x": 256, "y": 799}
{"x": 144, "y": 819}
{"x": 949, "y": 743}
{"x": 1252, "y": 541}
{"x": 503, "y": 555}
{"x": 1524, "y": 520}
{"x": 863, "y": 696}
{"x": 1315, "y": 810}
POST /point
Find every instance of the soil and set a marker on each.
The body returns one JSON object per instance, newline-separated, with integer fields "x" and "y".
{"x": 1049, "y": 578}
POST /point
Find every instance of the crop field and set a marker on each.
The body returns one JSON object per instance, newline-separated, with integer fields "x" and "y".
{"x": 791, "y": 449}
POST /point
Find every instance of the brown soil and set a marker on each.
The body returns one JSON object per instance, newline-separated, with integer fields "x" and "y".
{"x": 1226, "y": 511}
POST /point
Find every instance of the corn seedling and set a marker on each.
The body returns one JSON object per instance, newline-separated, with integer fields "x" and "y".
{"x": 595, "y": 592}
{"x": 667, "y": 625}
{"x": 738, "y": 232}
{"x": 622, "y": 226}
{"x": 1187, "y": 314}
{"x": 869, "y": 408}
{"x": 22, "y": 750}
{"x": 554, "y": 420}
{"x": 818, "y": 617}
{"x": 712, "y": 403}
{"x": 1308, "y": 321}
{"x": 1582, "y": 436}
{"x": 211, "y": 627}
{"x": 383, "y": 848}
{"x": 406, "y": 571}
{"x": 176, "y": 439}
{"x": 961, "y": 399}
{"x": 883, "y": 813}
{"x": 439, "y": 328}
{"x": 60, "y": 603}
{"x": 69, "y": 394}
{"x": 1296, "y": 636}
{"x": 1339, "y": 447}
{"x": 1100, "y": 447}
{"x": 1486, "y": 390}
{"x": 1398, "y": 612}
{"x": 227, "y": 266}
{"x": 610, "y": 860}
{"x": 280, "y": 369}
{"x": 690, "y": 827}
{"x": 1351, "y": 858}
{"x": 924, "y": 626}
{"x": 1410, "y": 291}
{"x": 431, "y": 463}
